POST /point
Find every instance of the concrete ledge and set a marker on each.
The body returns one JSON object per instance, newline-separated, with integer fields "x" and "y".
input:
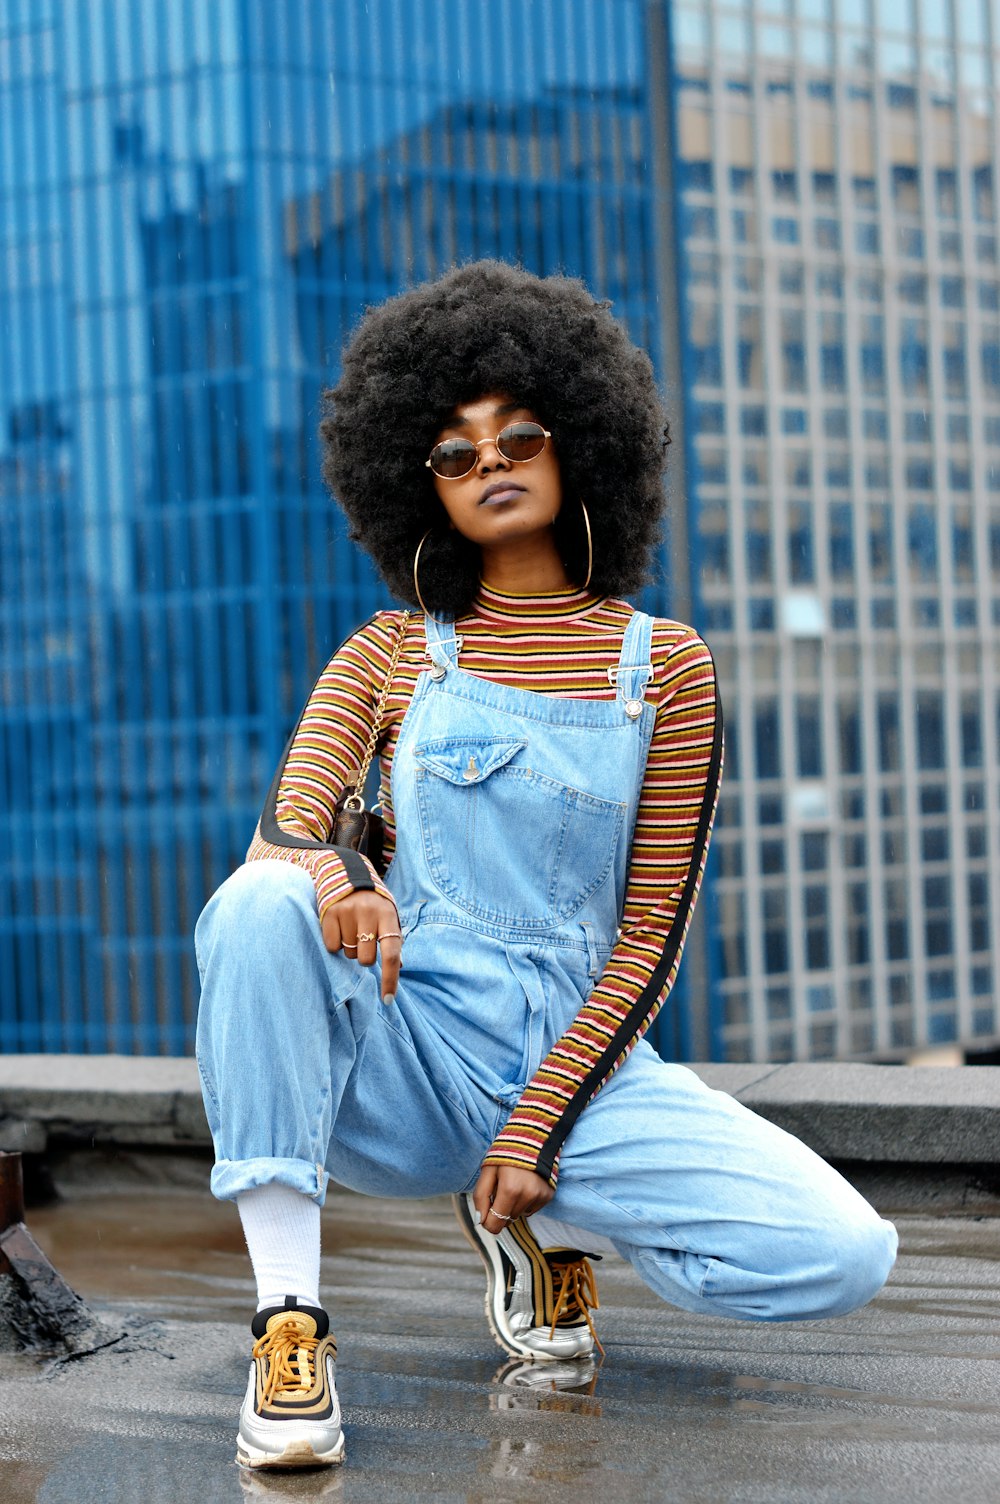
{"x": 125, "y": 1100}
{"x": 885, "y": 1114}
{"x": 876, "y": 1113}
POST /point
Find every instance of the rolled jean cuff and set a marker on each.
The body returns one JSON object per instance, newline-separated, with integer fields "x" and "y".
{"x": 231, "y": 1177}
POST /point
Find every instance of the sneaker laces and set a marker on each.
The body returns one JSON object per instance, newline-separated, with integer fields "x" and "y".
{"x": 576, "y": 1293}
{"x": 291, "y": 1358}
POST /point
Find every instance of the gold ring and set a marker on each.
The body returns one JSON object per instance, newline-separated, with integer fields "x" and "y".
{"x": 391, "y": 935}
{"x": 363, "y": 938}
{"x": 499, "y": 1215}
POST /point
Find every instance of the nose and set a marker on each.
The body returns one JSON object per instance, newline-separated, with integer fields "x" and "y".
{"x": 488, "y": 457}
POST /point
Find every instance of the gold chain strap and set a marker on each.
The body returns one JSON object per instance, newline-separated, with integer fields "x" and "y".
{"x": 356, "y": 800}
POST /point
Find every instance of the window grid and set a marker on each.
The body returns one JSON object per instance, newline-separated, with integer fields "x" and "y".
{"x": 868, "y": 344}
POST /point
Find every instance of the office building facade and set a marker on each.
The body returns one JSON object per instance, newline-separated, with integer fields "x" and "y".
{"x": 790, "y": 205}
{"x": 837, "y": 171}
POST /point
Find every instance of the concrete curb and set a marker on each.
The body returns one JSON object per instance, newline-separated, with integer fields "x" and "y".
{"x": 919, "y": 1115}
{"x": 871, "y": 1113}
{"x": 128, "y": 1101}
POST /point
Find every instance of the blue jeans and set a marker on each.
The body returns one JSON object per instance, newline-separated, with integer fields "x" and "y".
{"x": 307, "y": 1075}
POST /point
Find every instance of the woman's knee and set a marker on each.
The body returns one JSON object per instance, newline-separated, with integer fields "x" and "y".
{"x": 262, "y": 960}
{"x": 256, "y": 887}
{"x": 861, "y": 1255}
{"x": 825, "y": 1270}
{"x": 832, "y": 1268}
{"x": 252, "y": 899}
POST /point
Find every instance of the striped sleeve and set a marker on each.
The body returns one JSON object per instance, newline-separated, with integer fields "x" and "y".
{"x": 322, "y": 760}
{"x": 670, "y": 843}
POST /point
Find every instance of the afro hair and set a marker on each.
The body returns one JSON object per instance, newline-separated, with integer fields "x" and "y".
{"x": 482, "y": 328}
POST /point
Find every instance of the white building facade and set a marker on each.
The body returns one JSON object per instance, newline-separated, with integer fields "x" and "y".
{"x": 836, "y": 166}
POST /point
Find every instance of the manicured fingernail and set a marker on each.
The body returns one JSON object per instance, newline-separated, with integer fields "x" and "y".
{"x": 390, "y": 997}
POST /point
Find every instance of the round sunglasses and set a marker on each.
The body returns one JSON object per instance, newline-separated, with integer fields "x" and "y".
{"x": 453, "y": 458}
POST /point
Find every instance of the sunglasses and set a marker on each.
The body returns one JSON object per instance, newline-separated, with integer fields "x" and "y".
{"x": 453, "y": 458}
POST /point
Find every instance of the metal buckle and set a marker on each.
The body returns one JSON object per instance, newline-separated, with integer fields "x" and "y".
{"x": 437, "y": 669}
{"x": 636, "y": 668}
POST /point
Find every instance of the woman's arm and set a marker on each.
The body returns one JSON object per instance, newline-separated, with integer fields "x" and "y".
{"x": 669, "y": 847}
{"x": 321, "y": 761}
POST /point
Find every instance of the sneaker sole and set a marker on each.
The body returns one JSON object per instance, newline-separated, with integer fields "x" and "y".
{"x": 296, "y": 1454}
{"x": 502, "y": 1335}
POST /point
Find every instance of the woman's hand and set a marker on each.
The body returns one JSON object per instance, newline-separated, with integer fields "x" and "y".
{"x": 359, "y": 925}
{"x": 504, "y": 1192}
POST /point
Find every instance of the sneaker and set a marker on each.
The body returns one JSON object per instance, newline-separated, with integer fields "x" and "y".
{"x": 538, "y": 1300}
{"x": 291, "y": 1414}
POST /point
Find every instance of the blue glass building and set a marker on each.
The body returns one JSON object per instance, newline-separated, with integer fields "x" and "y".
{"x": 197, "y": 202}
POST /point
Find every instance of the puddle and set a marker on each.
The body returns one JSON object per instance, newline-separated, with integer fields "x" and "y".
{"x": 896, "y": 1403}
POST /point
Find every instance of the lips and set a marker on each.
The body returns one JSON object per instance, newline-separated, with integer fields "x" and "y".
{"x": 500, "y": 490}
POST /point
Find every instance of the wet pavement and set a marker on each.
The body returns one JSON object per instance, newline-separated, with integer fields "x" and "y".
{"x": 897, "y": 1402}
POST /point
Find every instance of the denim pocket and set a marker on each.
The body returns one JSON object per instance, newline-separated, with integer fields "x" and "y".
{"x": 505, "y": 842}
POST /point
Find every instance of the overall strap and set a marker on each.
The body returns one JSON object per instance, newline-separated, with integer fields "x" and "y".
{"x": 443, "y": 644}
{"x": 635, "y": 669}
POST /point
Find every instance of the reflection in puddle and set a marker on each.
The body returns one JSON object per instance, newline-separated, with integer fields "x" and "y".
{"x": 318, "y": 1483}
{"x": 547, "y": 1386}
{"x": 526, "y": 1459}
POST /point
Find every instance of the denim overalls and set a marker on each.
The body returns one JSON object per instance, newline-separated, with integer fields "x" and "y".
{"x": 514, "y": 813}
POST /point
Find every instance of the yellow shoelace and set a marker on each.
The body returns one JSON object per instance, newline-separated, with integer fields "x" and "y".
{"x": 291, "y": 1358}
{"x": 576, "y": 1295}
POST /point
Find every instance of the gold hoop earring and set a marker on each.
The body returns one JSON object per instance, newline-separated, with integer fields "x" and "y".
{"x": 590, "y": 544}
{"x": 416, "y": 583}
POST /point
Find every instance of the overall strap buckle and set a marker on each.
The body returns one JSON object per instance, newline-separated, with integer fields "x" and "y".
{"x": 443, "y": 645}
{"x": 633, "y": 702}
{"x": 634, "y": 671}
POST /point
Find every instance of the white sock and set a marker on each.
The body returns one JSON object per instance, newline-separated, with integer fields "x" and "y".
{"x": 281, "y": 1227}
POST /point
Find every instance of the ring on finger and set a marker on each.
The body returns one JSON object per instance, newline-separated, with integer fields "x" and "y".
{"x": 362, "y": 939}
{"x": 499, "y": 1216}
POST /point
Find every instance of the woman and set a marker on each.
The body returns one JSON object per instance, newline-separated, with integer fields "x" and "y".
{"x": 550, "y": 762}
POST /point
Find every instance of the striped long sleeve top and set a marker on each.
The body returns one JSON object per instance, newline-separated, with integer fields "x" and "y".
{"x": 558, "y": 644}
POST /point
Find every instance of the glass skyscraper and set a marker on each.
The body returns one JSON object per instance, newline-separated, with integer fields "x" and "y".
{"x": 197, "y": 200}
{"x": 790, "y": 204}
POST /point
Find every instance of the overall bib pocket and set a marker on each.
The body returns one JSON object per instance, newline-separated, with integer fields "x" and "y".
{"x": 505, "y": 843}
